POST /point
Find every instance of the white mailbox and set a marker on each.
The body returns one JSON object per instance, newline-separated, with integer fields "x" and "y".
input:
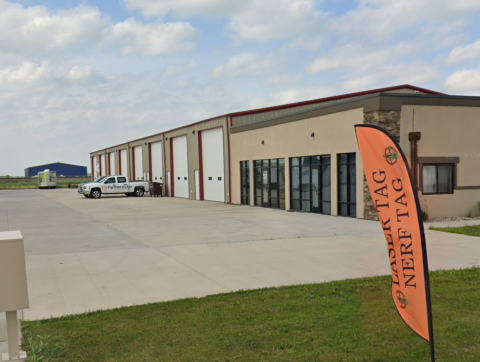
{"x": 13, "y": 273}
{"x": 13, "y": 287}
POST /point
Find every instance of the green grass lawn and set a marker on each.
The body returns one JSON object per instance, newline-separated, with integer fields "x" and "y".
{"x": 353, "y": 320}
{"x": 33, "y": 183}
{"x": 472, "y": 230}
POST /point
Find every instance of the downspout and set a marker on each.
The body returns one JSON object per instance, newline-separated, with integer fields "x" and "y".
{"x": 414, "y": 137}
{"x": 150, "y": 161}
{"x": 229, "y": 124}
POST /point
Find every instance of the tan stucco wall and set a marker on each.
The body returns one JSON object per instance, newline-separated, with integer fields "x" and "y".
{"x": 447, "y": 132}
{"x": 334, "y": 134}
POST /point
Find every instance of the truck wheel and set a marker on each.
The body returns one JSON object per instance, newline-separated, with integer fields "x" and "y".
{"x": 139, "y": 192}
{"x": 95, "y": 194}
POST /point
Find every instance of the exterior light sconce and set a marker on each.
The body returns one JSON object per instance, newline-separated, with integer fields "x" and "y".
{"x": 166, "y": 139}
{"x": 193, "y": 132}
{"x": 263, "y": 142}
{"x": 145, "y": 143}
{"x": 312, "y": 135}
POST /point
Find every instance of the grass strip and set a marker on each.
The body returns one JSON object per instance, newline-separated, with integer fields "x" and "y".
{"x": 352, "y": 320}
{"x": 472, "y": 230}
{"x": 33, "y": 184}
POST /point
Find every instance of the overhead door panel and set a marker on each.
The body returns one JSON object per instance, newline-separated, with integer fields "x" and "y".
{"x": 112, "y": 163}
{"x": 157, "y": 161}
{"x": 180, "y": 167}
{"x": 138, "y": 172}
{"x": 123, "y": 163}
{"x": 96, "y": 167}
{"x": 102, "y": 165}
{"x": 213, "y": 165}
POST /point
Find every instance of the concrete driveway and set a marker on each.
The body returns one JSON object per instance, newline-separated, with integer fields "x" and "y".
{"x": 85, "y": 254}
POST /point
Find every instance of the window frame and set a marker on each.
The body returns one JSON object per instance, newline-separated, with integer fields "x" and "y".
{"x": 349, "y": 203}
{"x": 266, "y": 165}
{"x": 245, "y": 173}
{"x": 297, "y": 163}
{"x": 437, "y": 161}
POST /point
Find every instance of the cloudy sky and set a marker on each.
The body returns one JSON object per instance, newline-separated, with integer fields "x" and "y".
{"x": 77, "y": 76}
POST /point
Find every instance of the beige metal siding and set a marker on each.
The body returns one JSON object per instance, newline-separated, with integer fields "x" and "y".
{"x": 193, "y": 151}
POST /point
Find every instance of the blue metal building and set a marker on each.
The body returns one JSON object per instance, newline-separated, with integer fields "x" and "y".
{"x": 62, "y": 169}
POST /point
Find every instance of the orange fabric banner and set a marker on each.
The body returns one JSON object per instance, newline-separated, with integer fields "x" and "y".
{"x": 396, "y": 200}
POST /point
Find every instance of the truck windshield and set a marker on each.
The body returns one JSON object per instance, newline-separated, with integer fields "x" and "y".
{"x": 99, "y": 179}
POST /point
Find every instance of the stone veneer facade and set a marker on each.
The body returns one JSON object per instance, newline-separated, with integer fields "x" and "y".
{"x": 390, "y": 121}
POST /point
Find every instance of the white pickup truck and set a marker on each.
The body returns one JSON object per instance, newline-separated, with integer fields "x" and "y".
{"x": 115, "y": 185}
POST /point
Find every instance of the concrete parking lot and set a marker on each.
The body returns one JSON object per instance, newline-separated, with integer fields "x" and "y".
{"x": 84, "y": 254}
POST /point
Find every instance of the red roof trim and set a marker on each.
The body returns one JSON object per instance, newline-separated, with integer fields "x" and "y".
{"x": 342, "y": 96}
{"x": 283, "y": 106}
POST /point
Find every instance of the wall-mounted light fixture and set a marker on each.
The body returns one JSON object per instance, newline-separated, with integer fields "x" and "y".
{"x": 193, "y": 132}
{"x": 166, "y": 139}
{"x": 263, "y": 142}
{"x": 312, "y": 135}
{"x": 145, "y": 143}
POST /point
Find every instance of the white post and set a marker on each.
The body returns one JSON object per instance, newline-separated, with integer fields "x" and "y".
{"x": 12, "y": 335}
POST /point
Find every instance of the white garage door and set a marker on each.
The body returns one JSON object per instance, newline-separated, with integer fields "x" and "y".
{"x": 103, "y": 165}
{"x": 96, "y": 168}
{"x": 157, "y": 161}
{"x": 138, "y": 171}
{"x": 124, "y": 163}
{"x": 111, "y": 162}
{"x": 213, "y": 165}
{"x": 180, "y": 167}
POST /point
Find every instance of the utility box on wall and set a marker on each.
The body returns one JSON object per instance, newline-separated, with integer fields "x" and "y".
{"x": 13, "y": 273}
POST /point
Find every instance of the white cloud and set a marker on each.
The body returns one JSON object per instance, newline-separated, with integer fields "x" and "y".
{"x": 464, "y": 80}
{"x": 357, "y": 56}
{"x": 265, "y": 20}
{"x": 153, "y": 39}
{"x": 27, "y": 74}
{"x": 415, "y": 72}
{"x": 249, "y": 20}
{"x": 248, "y": 64}
{"x": 178, "y": 69}
{"x": 77, "y": 73}
{"x": 186, "y": 8}
{"x": 464, "y": 52}
{"x": 38, "y": 30}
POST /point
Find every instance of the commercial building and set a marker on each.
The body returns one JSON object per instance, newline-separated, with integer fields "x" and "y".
{"x": 62, "y": 169}
{"x": 304, "y": 156}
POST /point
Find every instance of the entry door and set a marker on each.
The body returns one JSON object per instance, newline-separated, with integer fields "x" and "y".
{"x": 109, "y": 186}
{"x": 169, "y": 182}
{"x": 197, "y": 185}
{"x": 316, "y": 190}
{"x": 265, "y": 187}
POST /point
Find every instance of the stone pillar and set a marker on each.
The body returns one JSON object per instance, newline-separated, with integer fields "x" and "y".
{"x": 389, "y": 121}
